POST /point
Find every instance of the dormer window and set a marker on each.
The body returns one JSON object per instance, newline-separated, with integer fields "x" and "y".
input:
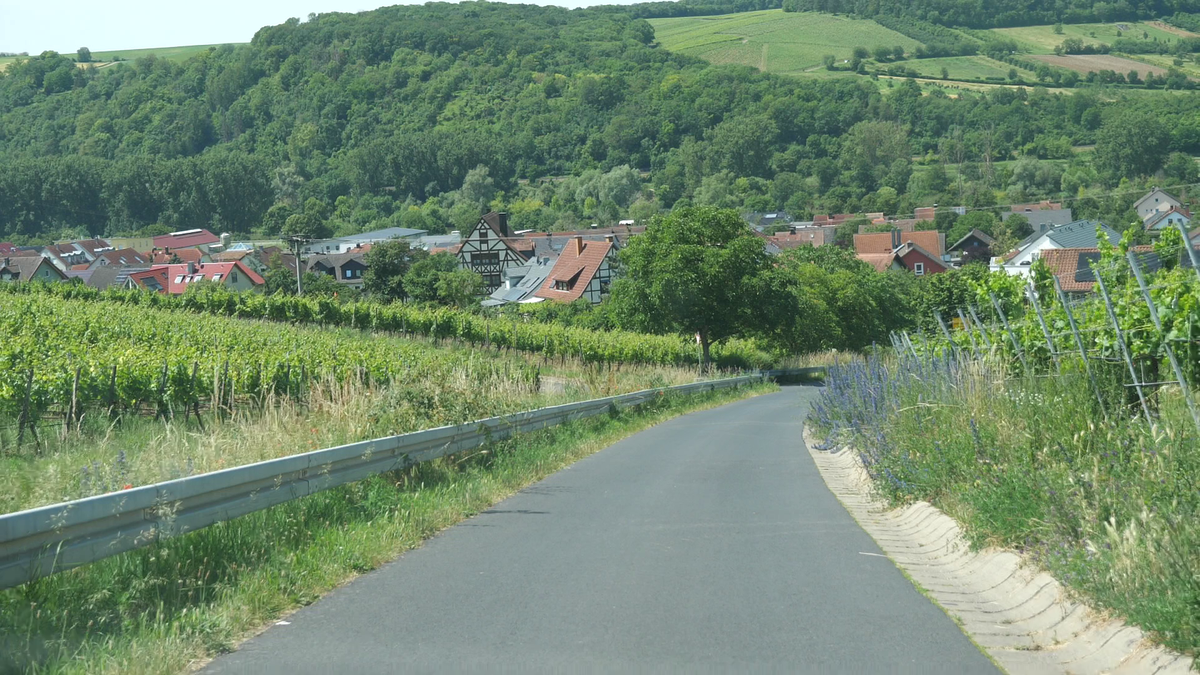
{"x": 562, "y": 285}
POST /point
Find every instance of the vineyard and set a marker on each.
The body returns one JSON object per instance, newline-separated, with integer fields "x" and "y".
{"x": 1135, "y": 337}
{"x": 548, "y": 340}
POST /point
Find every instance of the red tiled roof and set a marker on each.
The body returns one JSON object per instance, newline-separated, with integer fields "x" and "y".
{"x": 881, "y": 242}
{"x": 6, "y": 248}
{"x": 155, "y": 276}
{"x": 1064, "y": 263}
{"x": 1044, "y": 205}
{"x": 575, "y": 266}
{"x": 185, "y": 239}
{"x": 880, "y": 261}
{"x": 813, "y": 236}
{"x": 80, "y": 267}
{"x": 125, "y": 256}
{"x": 187, "y": 255}
{"x": 175, "y": 278}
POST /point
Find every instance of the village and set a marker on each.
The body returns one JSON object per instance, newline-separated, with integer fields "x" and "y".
{"x": 531, "y": 267}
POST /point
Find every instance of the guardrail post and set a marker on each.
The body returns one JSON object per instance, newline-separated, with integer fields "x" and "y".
{"x": 1031, "y": 291}
{"x": 982, "y": 328}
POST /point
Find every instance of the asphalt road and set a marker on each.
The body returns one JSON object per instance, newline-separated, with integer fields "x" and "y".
{"x": 706, "y": 543}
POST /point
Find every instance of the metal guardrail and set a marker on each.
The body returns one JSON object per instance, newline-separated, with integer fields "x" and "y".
{"x": 42, "y": 541}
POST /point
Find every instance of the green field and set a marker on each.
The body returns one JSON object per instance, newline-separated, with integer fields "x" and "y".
{"x": 1042, "y": 39}
{"x": 105, "y": 59}
{"x": 960, "y": 67}
{"x": 772, "y": 40}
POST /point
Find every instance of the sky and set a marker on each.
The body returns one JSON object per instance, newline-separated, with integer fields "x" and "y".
{"x": 66, "y": 25}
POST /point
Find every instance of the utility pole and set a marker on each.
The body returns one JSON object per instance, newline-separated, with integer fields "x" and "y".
{"x": 295, "y": 242}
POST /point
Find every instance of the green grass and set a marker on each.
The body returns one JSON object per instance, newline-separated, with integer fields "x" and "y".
{"x": 773, "y": 40}
{"x": 169, "y": 607}
{"x": 1109, "y": 506}
{"x": 168, "y": 53}
{"x": 961, "y": 67}
{"x": 1042, "y": 40}
{"x": 108, "y": 58}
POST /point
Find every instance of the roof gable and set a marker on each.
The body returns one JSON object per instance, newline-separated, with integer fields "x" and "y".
{"x": 575, "y": 267}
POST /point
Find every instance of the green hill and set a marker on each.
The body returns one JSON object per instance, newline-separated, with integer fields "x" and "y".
{"x": 773, "y": 40}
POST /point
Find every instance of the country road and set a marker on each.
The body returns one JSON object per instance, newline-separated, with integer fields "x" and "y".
{"x": 706, "y": 543}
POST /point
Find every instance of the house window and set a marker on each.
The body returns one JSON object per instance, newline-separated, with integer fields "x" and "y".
{"x": 478, "y": 259}
{"x": 233, "y": 276}
{"x": 919, "y": 269}
{"x": 216, "y": 277}
{"x": 483, "y": 234}
{"x": 562, "y": 285}
{"x": 179, "y": 279}
{"x": 350, "y": 274}
{"x": 491, "y": 280}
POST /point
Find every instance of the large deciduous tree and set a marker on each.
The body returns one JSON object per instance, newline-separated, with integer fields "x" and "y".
{"x": 1131, "y": 144}
{"x": 388, "y": 263}
{"x": 698, "y": 270}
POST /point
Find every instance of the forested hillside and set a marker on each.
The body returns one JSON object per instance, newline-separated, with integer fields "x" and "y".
{"x": 424, "y": 116}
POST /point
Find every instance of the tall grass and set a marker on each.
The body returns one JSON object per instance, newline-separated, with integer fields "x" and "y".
{"x": 169, "y": 607}
{"x": 1110, "y": 506}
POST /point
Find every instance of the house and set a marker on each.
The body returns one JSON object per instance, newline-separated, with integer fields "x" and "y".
{"x": 1079, "y": 234}
{"x": 1042, "y": 216}
{"x": 1072, "y": 266}
{"x": 105, "y": 276}
{"x": 123, "y": 257}
{"x": 520, "y": 283}
{"x": 183, "y": 239}
{"x": 1155, "y": 201}
{"x": 551, "y": 244}
{"x": 178, "y": 256}
{"x": 762, "y": 222}
{"x": 175, "y": 279}
{"x": 795, "y": 237}
{"x": 879, "y": 243}
{"x": 583, "y": 270}
{"x": 346, "y": 268}
{"x": 436, "y": 243}
{"x": 976, "y": 245}
{"x": 7, "y": 248}
{"x": 30, "y": 268}
{"x": 489, "y": 249}
{"x": 153, "y": 279}
{"x": 908, "y": 256}
{"x": 353, "y": 241}
{"x": 1171, "y": 218}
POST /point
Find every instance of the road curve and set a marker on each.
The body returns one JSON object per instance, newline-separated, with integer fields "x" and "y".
{"x": 708, "y": 542}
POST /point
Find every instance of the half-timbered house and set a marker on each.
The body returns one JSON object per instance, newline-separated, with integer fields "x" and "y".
{"x": 490, "y": 249}
{"x": 584, "y": 269}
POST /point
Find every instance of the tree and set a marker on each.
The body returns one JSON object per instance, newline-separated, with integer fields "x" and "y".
{"x": 1131, "y": 144}
{"x": 478, "y": 187}
{"x": 697, "y": 271}
{"x": 945, "y": 73}
{"x": 84, "y": 55}
{"x": 1058, "y": 29}
{"x": 1013, "y": 74}
{"x": 387, "y": 264}
{"x": 897, "y": 53}
{"x": 861, "y": 53}
{"x": 882, "y": 53}
{"x": 829, "y": 60}
{"x": 1181, "y": 168}
{"x": 437, "y": 278}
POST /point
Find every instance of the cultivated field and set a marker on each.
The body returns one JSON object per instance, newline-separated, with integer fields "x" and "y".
{"x": 772, "y": 40}
{"x": 109, "y": 58}
{"x": 1097, "y": 62}
{"x": 1042, "y": 39}
{"x": 960, "y": 67}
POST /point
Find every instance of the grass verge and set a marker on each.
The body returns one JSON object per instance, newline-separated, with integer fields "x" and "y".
{"x": 170, "y": 607}
{"x": 1110, "y": 506}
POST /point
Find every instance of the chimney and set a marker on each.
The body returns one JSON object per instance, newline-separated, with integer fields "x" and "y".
{"x": 895, "y": 239}
{"x": 502, "y": 222}
{"x": 191, "y": 268}
{"x": 577, "y": 240}
{"x": 611, "y": 238}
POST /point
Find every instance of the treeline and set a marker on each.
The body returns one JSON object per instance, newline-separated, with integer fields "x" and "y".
{"x": 676, "y": 8}
{"x": 936, "y": 41}
{"x": 1001, "y": 13}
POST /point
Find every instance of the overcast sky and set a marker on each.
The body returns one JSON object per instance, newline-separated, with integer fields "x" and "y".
{"x": 35, "y": 26}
